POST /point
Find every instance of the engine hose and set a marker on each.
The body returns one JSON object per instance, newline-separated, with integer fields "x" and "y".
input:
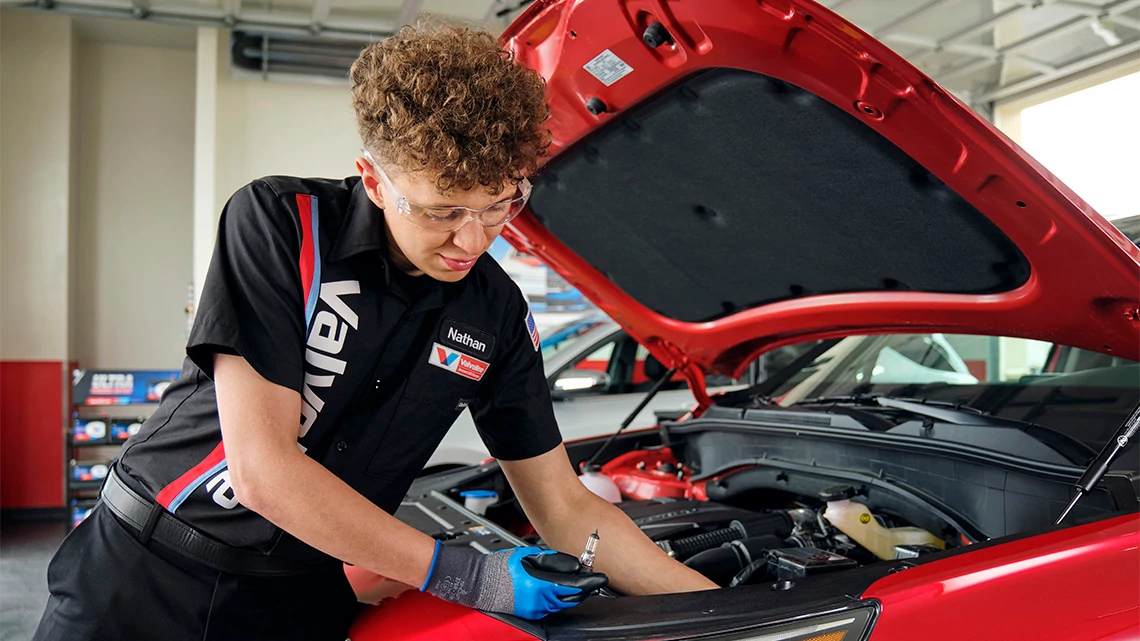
{"x": 775, "y": 523}
{"x": 721, "y": 564}
{"x": 718, "y": 565}
{"x": 748, "y": 571}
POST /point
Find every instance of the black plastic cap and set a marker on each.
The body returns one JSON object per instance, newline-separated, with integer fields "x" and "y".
{"x": 656, "y": 35}
{"x": 836, "y": 493}
{"x": 595, "y": 106}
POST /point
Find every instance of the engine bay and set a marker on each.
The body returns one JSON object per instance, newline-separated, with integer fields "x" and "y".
{"x": 745, "y": 503}
{"x": 733, "y": 533}
{"x": 761, "y": 536}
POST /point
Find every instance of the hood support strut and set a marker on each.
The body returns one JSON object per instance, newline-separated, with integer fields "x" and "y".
{"x": 589, "y": 465}
{"x": 1099, "y": 466}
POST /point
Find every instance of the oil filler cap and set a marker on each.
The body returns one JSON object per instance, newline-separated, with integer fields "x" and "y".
{"x": 836, "y": 493}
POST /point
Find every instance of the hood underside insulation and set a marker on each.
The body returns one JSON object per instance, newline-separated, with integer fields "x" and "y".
{"x": 731, "y": 189}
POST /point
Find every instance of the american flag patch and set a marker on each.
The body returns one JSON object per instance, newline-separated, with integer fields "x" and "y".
{"x": 532, "y": 329}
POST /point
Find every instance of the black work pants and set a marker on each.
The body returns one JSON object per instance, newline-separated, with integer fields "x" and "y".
{"x": 107, "y": 586}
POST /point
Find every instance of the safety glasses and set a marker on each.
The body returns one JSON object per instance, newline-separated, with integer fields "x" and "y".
{"x": 452, "y": 218}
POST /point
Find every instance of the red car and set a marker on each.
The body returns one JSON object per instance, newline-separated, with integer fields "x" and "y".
{"x": 732, "y": 177}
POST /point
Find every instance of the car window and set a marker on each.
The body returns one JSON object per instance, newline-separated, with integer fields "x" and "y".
{"x": 1063, "y": 359}
{"x": 600, "y": 359}
{"x": 568, "y": 338}
{"x": 901, "y": 359}
{"x": 1082, "y": 394}
{"x": 922, "y": 350}
{"x": 643, "y": 377}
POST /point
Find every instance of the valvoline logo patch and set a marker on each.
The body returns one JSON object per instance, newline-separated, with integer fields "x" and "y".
{"x": 457, "y": 363}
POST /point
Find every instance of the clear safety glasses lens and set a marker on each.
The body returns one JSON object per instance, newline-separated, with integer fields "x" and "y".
{"x": 452, "y": 218}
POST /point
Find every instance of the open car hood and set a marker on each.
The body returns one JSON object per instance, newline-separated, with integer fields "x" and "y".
{"x": 771, "y": 174}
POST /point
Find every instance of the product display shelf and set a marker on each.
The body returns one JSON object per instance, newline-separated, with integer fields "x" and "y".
{"x": 94, "y": 440}
{"x": 109, "y": 406}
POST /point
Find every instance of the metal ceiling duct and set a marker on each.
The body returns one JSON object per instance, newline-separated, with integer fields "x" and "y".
{"x": 270, "y": 54}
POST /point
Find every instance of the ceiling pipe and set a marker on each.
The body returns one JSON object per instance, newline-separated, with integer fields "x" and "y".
{"x": 263, "y": 22}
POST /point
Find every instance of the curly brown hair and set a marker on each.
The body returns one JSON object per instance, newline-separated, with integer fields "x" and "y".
{"x": 449, "y": 101}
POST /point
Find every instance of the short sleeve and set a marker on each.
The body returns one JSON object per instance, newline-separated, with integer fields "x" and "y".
{"x": 514, "y": 412}
{"x": 251, "y": 304}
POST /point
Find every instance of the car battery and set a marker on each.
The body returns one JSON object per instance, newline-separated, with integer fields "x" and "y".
{"x": 797, "y": 563}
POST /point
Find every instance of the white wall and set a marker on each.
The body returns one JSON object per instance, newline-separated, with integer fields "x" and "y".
{"x": 35, "y": 192}
{"x": 206, "y": 72}
{"x": 103, "y": 172}
{"x": 248, "y": 128}
{"x": 268, "y": 128}
{"x": 135, "y": 219}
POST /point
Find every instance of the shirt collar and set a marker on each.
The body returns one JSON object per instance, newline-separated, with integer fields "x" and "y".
{"x": 363, "y": 226}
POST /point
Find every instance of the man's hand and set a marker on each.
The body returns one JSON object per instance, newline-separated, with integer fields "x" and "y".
{"x": 564, "y": 513}
{"x": 526, "y": 582}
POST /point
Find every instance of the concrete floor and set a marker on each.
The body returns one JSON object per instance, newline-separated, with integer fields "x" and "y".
{"x": 25, "y": 550}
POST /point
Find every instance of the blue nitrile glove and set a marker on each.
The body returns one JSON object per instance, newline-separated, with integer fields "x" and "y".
{"x": 526, "y": 582}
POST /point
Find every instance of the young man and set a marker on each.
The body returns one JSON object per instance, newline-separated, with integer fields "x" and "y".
{"x": 343, "y": 327}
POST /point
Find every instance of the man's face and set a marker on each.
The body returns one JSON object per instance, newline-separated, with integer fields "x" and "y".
{"x": 446, "y": 256}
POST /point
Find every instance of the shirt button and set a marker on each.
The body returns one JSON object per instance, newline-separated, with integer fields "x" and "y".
{"x": 341, "y": 446}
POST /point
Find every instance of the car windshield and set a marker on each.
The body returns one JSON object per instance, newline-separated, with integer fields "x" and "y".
{"x": 1079, "y": 394}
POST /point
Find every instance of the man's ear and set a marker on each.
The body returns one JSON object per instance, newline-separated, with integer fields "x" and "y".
{"x": 371, "y": 182}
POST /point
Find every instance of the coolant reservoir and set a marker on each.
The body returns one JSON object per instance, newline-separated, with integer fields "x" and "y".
{"x": 856, "y": 521}
{"x": 601, "y": 485}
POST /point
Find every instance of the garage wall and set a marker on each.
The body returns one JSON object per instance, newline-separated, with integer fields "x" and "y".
{"x": 36, "y": 52}
{"x": 248, "y": 128}
{"x": 135, "y": 219}
{"x": 267, "y": 128}
{"x": 35, "y": 126}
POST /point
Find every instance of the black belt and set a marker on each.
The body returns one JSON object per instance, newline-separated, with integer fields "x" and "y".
{"x": 152, "y": 521}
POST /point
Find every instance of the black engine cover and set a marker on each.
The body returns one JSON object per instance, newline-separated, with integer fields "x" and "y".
{"x": 667, "y": 518}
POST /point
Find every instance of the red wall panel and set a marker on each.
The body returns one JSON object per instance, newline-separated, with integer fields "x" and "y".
{"x": 31, "y": 434}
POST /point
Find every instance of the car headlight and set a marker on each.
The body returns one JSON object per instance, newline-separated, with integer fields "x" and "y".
{"x": 848, "y": 624}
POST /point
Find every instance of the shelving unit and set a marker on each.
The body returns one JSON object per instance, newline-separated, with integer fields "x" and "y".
{"x": 108, "y": 407}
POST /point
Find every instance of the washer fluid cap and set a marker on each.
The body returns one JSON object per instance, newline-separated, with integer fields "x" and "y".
{"x": 836, "y": 493}
{"x": 479, "y": 494}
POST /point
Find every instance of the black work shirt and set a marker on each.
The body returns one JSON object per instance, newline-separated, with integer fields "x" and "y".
{"x": 300, "y": 287}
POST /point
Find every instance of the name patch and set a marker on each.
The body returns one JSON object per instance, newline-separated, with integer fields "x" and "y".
{"x": 466, "y": 339}
{"x": 457, "y": 363}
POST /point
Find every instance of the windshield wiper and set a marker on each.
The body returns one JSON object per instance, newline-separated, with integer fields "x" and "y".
{"x": 1099, "y": 466}
{"x": 941, "y": 411}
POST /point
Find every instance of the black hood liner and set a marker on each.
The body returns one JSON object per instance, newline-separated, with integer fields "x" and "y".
{"x": 733, "y": 189}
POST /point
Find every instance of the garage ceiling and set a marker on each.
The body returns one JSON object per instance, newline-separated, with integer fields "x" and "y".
{"x": 993, "y": 49}
{"x": 982, "y": 50}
